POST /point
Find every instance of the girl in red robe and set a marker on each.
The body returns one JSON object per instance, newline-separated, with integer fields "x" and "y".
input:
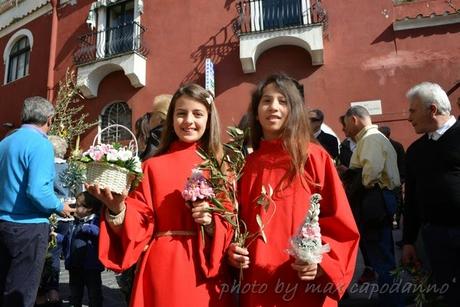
{"x": 154, "y": 227}
{"x": 285, "y": 159}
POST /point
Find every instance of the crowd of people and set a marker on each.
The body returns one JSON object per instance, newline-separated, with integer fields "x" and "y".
{"x": 173, "y": 254}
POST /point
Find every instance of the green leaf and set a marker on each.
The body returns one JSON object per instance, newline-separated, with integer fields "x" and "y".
{"x": 202, "y": 154}
{"x": 270, "y": 189}
{"x": 261, "y": 200}
{"x": 259, "y": 221}
{"x": 264, "y": 237}
{"x": 261, "y": 228}
{"x": 266, "y": 205}
{"x": 217, "y": 203}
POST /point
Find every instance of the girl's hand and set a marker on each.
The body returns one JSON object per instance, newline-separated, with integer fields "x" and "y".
{"x": 307, "y": 271}
{"x": 238, "y": 256}
{"x": 200, "y": 212}
{"x": 114, "y": 202}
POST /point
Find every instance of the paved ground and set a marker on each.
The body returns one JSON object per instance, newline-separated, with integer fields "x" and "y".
{"x": 114, "y": 298}
{"x": 112, "y": 295}
{"x": 362, "y": 298}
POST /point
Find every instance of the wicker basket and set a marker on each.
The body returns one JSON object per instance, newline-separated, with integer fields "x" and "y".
{"x": 114, "y": 177}
{"x": 109, "y": 175}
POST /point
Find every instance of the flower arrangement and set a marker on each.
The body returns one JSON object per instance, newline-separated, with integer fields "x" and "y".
{"x": 119, "y": 157}
{"x": 306, "y": 244}
{"x": 197, "y": 187}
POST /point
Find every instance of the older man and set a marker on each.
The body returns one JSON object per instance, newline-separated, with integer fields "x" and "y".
{"x": 373, "y": 199}
{"x": 433, "y": 186}
{"x": 27, "y": 199}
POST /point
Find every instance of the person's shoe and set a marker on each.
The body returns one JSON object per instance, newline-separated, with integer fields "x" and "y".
{"x": 53, "y": 299}
{"x": 368, "y": 275}
{"x": 40, "y": 300}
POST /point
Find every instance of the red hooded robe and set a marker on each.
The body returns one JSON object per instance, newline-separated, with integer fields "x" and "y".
{"x": 272, "y": 281}
{"x": 174, "y": 270}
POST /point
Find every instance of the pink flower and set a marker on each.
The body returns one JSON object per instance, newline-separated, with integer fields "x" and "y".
{"x": 311, "y": 231}
{"x": 96, "y": 155}
{"x": 197, "y": 187}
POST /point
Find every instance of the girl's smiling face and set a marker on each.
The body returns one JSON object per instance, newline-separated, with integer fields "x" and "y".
{"x": 272, "y": 112}
{"x": 190, "y": 119}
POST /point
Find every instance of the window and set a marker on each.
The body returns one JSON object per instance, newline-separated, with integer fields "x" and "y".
{"x": 279, "y": 14}
{"x": 18, "y": 64}
{"x": 266, "y": 15}
{"x": 116, "y": 113}
{"x": 120, "y": 28}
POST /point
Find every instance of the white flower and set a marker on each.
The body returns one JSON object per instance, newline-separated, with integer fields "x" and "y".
{"x": 124, "y": 155}
{"x": 112, "y": 155}
{"x": 137, "y": 166}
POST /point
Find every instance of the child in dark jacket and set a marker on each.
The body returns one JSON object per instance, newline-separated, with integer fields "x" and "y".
{"x": 80, "y": 246}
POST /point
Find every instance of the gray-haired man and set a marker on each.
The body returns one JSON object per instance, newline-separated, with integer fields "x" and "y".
{"x": 433, "y": 187}
{"x": 27, "y": 199}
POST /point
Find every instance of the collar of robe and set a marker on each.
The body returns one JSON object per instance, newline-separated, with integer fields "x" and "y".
{"x": 180, "y": 145}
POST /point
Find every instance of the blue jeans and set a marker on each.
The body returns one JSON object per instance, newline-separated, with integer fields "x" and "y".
{"x": 381, "y": 257}
{"x": 22, "y": 256}
{"x": 391, "y": 201}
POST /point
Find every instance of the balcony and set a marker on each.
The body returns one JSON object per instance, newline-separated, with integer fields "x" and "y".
{"x": 103, "y": 52}
{"x": 264, "y": 24}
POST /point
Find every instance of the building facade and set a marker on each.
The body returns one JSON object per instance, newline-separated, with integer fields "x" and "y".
{"x": 125, "y": 52}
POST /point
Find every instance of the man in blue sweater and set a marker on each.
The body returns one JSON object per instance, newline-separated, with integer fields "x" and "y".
{"x": 27, "y": 199}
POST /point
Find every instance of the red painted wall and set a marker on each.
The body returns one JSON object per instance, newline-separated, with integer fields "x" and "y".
{"x": 364, "y": 59}
{"x": 12, "y": 94}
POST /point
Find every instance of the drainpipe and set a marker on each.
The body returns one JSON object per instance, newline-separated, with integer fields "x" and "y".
{"x": 52, "y": 58}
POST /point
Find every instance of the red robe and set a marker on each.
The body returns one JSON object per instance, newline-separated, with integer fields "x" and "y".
{"x": 177, "y": 270}
{"x": 272, "y": 281}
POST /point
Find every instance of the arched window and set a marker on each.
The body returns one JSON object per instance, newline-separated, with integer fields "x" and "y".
{"x": 116, "y": 113}
{"x": 18, "y": 64}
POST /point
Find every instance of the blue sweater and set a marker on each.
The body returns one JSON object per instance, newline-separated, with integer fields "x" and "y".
{"x": 27, "y": 175}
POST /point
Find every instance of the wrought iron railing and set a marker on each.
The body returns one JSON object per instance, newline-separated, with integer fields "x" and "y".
{"x": 111, "y": 42}
{"x": 269, "y": 15}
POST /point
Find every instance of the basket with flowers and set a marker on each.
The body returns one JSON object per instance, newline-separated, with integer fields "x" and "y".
{"x": 112, "y": 165}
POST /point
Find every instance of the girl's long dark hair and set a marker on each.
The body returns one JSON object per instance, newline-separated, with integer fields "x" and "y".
{"x": 210, "y": 141}
{"x": 296, "y": 134}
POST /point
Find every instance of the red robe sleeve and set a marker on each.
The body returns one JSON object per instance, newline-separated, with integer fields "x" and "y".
{"x": 338, "y": 229}
{"x": 119, "y": 251}
{"x": 212, "y": 251}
